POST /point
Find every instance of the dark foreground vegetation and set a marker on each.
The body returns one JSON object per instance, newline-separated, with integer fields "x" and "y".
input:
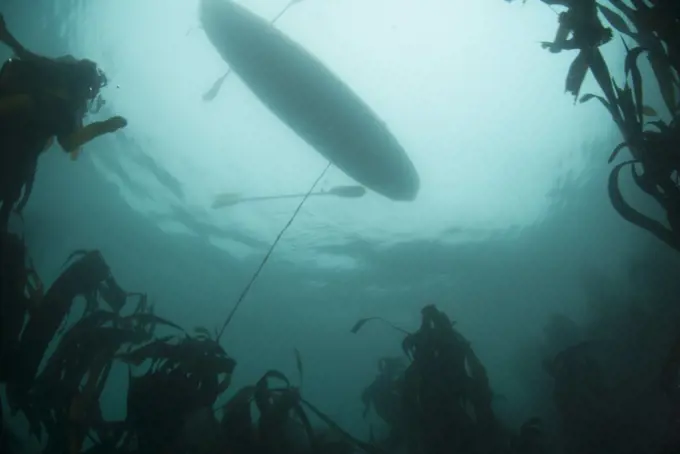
{"x": 615, "y": 384}
{"x": 649, "y": 28}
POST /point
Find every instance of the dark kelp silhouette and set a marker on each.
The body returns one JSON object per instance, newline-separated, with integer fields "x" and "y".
{"x": 385, "y": 395}
{"x": 581, "y": 398}
{"x": 587, "y": 34}
{"x": 654, "y": 151}
{"x": 656, "y": 31}
{"x": 18, "y": 294}
{"x": 89, "y": 277}
{"x": 615, "y": 387}
{"x": 185, "y": 374}
{"x": 441, "y": 401}
{"x": 435, "y": 399}
{"x": 654, "y": 146}
{"x": 282, "y": 415}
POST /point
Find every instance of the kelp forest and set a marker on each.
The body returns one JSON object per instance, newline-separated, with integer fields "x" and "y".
{"x": 615, "y": 384}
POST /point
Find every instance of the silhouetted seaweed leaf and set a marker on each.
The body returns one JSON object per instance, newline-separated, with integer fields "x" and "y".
{"x": 613, "y": 109}
{"x": 577, "y": 74}
{"x": 664, "y": 76}
{"x": 113, "y": 294}
{"x": 80, "y": 278}
{"x": 618, "y": 148}
{"x": 236, "y": 423}
{"x": 273, "y": 374}
{"x": 587, "y": 97}
{"x": 616, "y": 21}
{"x": 366, "y": 447}
{"x": 660, "y": 125}
{"x": 600, "y": 71}
{"x": 632, "y": 69}
{"x": 153, "y": 350}
{"x": 311, "y": 436}
{"x": 633, "y": 216}
{"x": 202, "y": 330}
{"x": 142, "y": 303}
{"x": 79, "y": 253}
{"x": 241, "y": 398}
{"x": 148, "y": 318}
{"x": 358, "y": 325}
{"x": 629, "y": 12}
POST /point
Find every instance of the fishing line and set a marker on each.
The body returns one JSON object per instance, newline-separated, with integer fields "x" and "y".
{"x": 269, "y": 253}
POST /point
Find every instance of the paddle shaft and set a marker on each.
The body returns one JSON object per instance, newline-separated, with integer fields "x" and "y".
{"x": 286, "y": 196}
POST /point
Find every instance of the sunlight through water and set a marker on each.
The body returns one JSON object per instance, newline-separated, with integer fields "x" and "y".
{"x": 468, "y": 92}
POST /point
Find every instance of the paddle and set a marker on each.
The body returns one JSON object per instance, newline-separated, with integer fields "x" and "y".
{"x": 231, "y": 199}
{"x": 215, "y": 89}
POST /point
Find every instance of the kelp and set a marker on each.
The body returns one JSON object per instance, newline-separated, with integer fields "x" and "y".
{"x": 633, "y": 216}
{"x": 184, "y": 376}
{"x": 437, "y": 388}
{"x": 588, "y": 405}
{"x": 83, "y": 277}
{"x": 385, "y": 395}
{"x": 282, "y": 415}
{"x": 660, "y": 41}
{"x": 56, "y": 400}
{"x": 360, "y": 324}
{"x": 18, "y": 296}
{"x": 531, "y": 438}
{"x": 587, "y": 35}
{"x": 441, "y": 401}
{"x": 62, "y": 399}
{"x": 435, "y": 399}
{"x": 652, "y": 150}
{"x": 654, "y": 146}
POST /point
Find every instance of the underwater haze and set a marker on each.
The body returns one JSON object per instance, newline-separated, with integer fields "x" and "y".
{"x": 511, "y": 218}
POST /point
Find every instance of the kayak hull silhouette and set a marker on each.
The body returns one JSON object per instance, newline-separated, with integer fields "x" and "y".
{"x": 310, "y": 99}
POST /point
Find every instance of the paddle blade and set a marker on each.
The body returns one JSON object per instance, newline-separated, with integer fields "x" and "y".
{"x": 215, "y": 89}
{"x": 227, "y": 199}
{"x": 348, "y": 191}
{"x": 75, "y": 153}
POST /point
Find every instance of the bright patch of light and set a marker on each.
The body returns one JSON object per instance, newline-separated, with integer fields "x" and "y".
{"x": 463, "y": 85}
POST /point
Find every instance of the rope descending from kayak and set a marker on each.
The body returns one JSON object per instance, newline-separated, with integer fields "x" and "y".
{"x": 269, "y": 253}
